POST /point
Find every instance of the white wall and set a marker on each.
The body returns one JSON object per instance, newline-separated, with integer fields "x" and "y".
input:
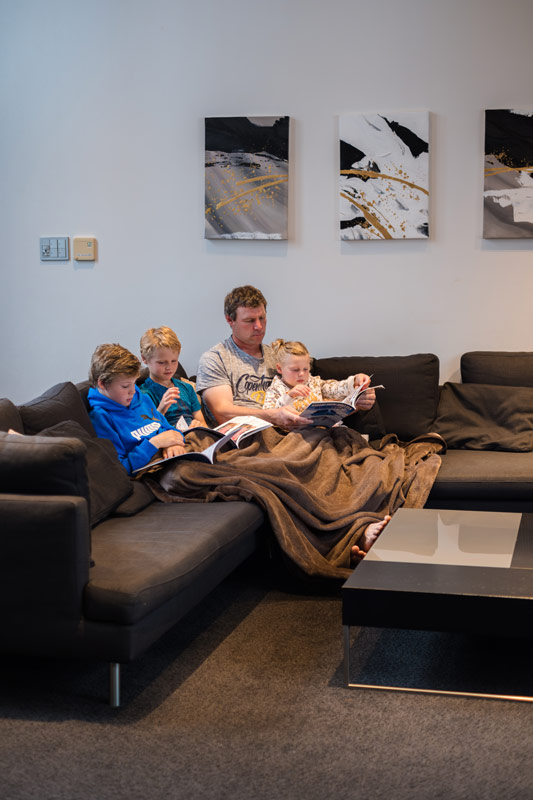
{"x": 102, "y": 134}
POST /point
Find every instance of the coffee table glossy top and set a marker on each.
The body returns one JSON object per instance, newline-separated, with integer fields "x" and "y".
{"x": 467, "y": 538}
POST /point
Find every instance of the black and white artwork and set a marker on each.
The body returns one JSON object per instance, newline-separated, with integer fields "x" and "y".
{"x": 508, "y": 186}
{"x": 384, "y": 176}
{"x": 246, "y": 177}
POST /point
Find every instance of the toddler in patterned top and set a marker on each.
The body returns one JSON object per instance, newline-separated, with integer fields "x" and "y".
{"x": 295, "y": 385}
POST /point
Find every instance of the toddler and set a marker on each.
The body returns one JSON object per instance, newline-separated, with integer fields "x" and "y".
{"x": 295, "y": 385}
{"x": 173, "y": 397}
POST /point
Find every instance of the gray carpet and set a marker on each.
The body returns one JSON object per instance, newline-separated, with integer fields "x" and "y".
{"x": 245, "y": 700}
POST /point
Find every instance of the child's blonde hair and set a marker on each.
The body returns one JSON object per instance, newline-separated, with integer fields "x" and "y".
{"x": 154, "y": 338}
{"x": 282, "y": 349}
{"x": 111, "y": 360}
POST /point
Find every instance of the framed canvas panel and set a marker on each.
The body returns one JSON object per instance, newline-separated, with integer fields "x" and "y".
{"x": 384, "y": 175}
{"x": 508, "y": 184}
{"x": 246, "y": 177}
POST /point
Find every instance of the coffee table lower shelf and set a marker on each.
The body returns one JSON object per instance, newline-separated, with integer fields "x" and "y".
{"x": 415, "y": 690}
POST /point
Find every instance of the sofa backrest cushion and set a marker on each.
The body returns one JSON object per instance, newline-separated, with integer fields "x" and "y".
{"x": 498, "y": 368}
{"x": 10, "y": 417}
{"x": 408, "y": 404}
{"x": 109, "y": 483}
{"x": 60, "y": 403}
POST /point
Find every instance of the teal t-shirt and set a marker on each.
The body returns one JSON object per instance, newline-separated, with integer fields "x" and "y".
{"x": 185, "y": 406}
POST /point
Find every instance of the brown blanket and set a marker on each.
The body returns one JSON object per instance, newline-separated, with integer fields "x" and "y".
{"x": 320, "y": 488}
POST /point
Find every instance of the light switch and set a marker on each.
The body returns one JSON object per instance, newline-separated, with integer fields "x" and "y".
{"x": 84, "y": 248}
{"x": 54, "y": 248}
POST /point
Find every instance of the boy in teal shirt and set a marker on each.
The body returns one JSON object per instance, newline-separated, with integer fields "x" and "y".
{"x": 176, "y": 399}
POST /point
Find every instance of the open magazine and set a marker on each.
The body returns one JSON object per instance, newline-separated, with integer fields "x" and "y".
{"x": 233, "y": 432}
{"x": 330, "y": 412}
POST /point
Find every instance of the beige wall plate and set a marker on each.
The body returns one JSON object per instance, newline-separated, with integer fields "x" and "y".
{"x": 84, "y": 248}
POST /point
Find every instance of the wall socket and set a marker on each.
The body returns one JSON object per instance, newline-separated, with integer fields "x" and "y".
{"x": 54, "y": 248}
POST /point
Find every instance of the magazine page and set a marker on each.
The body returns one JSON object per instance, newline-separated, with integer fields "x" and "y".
{"x": 206, "y": 455}
{"x": 239, "y": 428}
{"x": 352, "y": 398}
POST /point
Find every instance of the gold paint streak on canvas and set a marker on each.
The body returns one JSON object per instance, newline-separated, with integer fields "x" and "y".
{"x": 499, "y": 170}
{"x": 261, "y": 178}
{"x": 368, "y": 216}
{"x": 369, "y": 174}
{"x": 249, "y": 191}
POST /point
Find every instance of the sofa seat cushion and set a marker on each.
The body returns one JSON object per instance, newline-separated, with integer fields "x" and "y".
{"x": 484, "y": 475}
{"x": 163, "y": 552}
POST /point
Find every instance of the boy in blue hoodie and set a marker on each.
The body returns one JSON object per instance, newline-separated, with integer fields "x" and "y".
{"x": 125, "y": 416}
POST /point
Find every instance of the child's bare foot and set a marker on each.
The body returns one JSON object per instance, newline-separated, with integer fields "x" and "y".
{"x": 368, "y": 538}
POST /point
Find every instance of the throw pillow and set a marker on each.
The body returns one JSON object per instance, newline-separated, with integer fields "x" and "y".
{"x": 477, "y": 416}
{"x": 61, "y": 402}
{"x": 9, "y": 416}
{"x": 109, "y": 483}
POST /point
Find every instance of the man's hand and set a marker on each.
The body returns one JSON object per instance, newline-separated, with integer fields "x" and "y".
{"x": 286, "y": 417}
{"x": 220, "y": 402}
{"x": 170, "y": 396}
{"x": 366, "y": 400}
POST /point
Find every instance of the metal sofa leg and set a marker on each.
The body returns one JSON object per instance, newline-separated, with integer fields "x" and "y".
{"x": 114, "y": 684}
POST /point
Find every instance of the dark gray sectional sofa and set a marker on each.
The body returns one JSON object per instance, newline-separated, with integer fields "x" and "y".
{"x": 496, "y": 395}
{"x": 92, "y": 566}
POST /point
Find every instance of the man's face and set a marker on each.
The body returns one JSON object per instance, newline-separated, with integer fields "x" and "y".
{"x": 249, "y": 326}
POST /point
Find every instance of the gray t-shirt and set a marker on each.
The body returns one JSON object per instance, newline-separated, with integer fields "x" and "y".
{"x": 225, "y": 364}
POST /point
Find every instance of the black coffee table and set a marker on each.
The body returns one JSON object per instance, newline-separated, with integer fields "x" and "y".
{"x": 461, "y": 571}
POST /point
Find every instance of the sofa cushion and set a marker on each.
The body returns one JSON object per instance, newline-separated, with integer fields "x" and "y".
{"x": 109, "y": 483}
{"x": 140, "y": 498}
{"x": 41, "y": 465}
{"x": 61, "y": 402}
{"x": 10, "y": 417}
{"x": 477, "y": 416}
{"x": 483, "y": 475}
{"x": 170, "y": 552}
{"x": 408, "y": 404}
{"x": 500, "y": 368}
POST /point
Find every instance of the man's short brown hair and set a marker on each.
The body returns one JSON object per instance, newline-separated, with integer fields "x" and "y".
{"x": 247, "y": 296}
{"x": 111, "y": 360}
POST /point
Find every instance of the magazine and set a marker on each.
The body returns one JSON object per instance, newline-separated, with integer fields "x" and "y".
{"x": 331, "y": 412}
{"x": 233, "y": 432}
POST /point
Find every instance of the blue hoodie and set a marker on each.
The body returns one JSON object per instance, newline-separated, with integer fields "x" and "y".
{"x": 129, "y": 428}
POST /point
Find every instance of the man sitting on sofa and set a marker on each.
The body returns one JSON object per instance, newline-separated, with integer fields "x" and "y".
{"x": 234, "y": 374}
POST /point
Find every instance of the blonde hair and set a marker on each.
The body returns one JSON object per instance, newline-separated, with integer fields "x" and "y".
{"x": 282, "y": 349}
{"x": 154, "y": 338}
{"x": 111, "y": 360}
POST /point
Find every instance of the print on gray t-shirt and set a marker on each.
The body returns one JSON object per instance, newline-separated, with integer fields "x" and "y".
{"x": 225, "y": 364}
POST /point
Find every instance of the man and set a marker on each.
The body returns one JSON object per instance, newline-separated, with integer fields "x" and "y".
{"x": 234, "y": 374}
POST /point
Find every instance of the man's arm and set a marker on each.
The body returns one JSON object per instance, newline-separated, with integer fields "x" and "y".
{"x": 219, "y": 399}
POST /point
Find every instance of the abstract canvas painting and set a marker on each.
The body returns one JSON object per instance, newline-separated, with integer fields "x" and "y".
{"x": 246, "y": 177}
{"x": 508, "y": 188}
{"x": 384, "y": 175}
